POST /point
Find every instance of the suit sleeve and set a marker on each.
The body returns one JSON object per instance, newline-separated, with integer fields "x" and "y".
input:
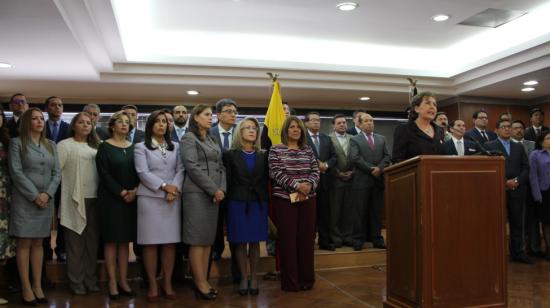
{"x": 534, "y": 177}
{"x": 315, "y": 174}
{"x": 178, "y": 177}
{"x": 195, "y": 171}
{"x": 21, "y": 182}
{"x": 104, "y": 172}
{"x": 332, "y": 159}
{"x": 524, "y": 174}
{"x": 55, "y": 173}
{"x": 399, "y": 144}
{"x": 386, "y": 157}
{"x": 357, "y": 159}
{"x": 146, "y": 177}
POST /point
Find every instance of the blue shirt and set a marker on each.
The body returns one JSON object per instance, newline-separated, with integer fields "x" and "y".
{"x": 539, "y": 173}
{"x": 506, "y": 144}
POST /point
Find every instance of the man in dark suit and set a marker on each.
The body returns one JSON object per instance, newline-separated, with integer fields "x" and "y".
{"x": 18, "y": 105}
{"x": 226, "y": 112}
{"x": 536, "y": 116}
{"x": 56, "y": 129}
{"x": 517, "y": 173}
{"x": 135, "y": 135}
{"x": 341, "y": 206}
{"x": 532, "y": 221}
{"x": 480, "y": 133}
{"x": 369, "y": 154}
{"x": 95, "y": 113}
{"x": 354, "y": 130}
{"x": 180, "y": 122}
{"x": 457, "y": 145}
{"x": 326, "y": 156}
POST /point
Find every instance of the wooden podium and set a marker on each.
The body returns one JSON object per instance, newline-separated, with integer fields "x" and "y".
{"x": 446, "y": 233}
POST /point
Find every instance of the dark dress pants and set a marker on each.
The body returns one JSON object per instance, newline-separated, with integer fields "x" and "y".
{"x": 296, "y": 235}
{"x": 367, "y": 218}
{"x": 532, "y": 224}
{"x": 323, "y": 217}
{"x": 341, "y": 215}
{"x": 515, "y": 204}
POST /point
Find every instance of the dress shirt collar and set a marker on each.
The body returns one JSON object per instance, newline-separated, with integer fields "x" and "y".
{"x": 311, "y": 134}
{"x": 222, "y": 130}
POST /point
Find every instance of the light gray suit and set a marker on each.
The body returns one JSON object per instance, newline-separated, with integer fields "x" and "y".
{"x": 341, "y": 207}
{"x": 368, "y": 189}
{"x": 204, "y": 175}
{"x": 158, "y": 222}
{"x": 37, "y": 172}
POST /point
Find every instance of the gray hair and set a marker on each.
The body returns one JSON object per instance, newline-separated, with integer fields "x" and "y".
{"x": 94, "y": 106}
{"x": 237, "y": 143}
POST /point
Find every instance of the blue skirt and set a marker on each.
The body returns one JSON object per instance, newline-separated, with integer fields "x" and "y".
{"x": 243, "y": 227}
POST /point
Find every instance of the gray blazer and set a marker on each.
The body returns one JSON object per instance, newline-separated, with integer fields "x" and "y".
{"x": 364, "y": 159}
{"x": 35, "y": 173}
{"x": 529, "y": 146}
{"x": 154, "y": 169}
{"x": 204, "y": 169}
{"x": 343, "y": 162}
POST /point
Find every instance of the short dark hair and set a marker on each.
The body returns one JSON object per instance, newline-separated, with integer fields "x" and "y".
{"x": 416, "y": 101}
{"x": 47, "y": 101}
{"x": 129, "y": 107}
{"x": 336, "y": 116}
{"x": 284, "y": 131}
{"x": 440, "y": 113}
{"x": 224, "y": 102}
{"x": 149, "y": 130}
{"x": 476, "y": 114}
{"x": 536, "y": 109}
{"x": 16, "y": 94}
{"x": 501, "y": 121}
{"x": 309, "y": 114}
{"x": 452, "y": 123}
{"x": 520, "y": 122}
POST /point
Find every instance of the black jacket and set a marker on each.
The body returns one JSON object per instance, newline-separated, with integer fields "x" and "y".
{"x": 516, "y": 164}
{"x": 530, "y": 133}
{"x": 327, "y": 153}
{"x": 410, "y": 141}
{"x": 243, "y": 185}
{"x": 470, "y": 148}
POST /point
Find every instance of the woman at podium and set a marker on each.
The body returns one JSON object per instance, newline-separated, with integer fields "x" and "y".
{"x": 420, "y": 135}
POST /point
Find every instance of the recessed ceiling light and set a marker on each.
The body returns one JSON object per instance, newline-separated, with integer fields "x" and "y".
{"x": 364, "y": 98}
{"x": 193, "y": 92}
{"x": 440, "y": 17}
{"x": 347, "y": 6}
{"x": 531, "y": 83}
{"x": 528, "y": 89}
{"x": 4, "y": 65}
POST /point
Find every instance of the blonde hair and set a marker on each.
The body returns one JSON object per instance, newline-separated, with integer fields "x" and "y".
{"x": 237, "y": 143}
{"x": 25, "y": 132}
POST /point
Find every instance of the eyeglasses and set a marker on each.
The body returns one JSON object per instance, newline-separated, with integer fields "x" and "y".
{"x": 230, "y": 111}
{"x": 252, "y": 128}
{"x": 19, "y": 101}
{"x": 483, "y": 118}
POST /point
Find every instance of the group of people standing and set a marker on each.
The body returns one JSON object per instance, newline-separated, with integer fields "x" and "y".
{"x": 183, "y": 177}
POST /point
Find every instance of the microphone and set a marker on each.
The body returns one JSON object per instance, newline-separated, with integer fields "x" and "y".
{"x": 482, "y": 149}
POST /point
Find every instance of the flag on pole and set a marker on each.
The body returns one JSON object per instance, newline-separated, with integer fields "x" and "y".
{"x": 274, "y": 118}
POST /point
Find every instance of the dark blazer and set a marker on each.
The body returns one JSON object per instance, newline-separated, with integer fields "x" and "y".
{"x": 243, "y": 185}
{"x": 410, "y": 141}
{"x": 352, "y": 131}
{"x": 530, "y": 133}
{"x": 327, "y": 154}
{"x": 102, "y": 133}
{"x": 174, "y": 136}
{"x": 139, "y": 136}
{"x": 215, "y": 134}
{"x": 61, "y": 135}
{"x": 364, "y": 159}
{"x": 516, "y": 164}
{"x": 13, "y": 127}
{"x": 473, "y": 134}
{"x": 470, "y": 147}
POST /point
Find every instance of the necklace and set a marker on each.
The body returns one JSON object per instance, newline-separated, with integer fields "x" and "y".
{"x": 248, "y": 152}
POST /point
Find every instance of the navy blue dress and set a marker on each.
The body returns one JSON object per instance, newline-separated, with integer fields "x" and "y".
{"x": 247, "y": 224}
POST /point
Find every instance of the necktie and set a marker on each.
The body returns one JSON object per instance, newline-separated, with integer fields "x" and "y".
{"x": 343, "y": 143}
{"x": 316, "y": 142}
{"x": 371, "y": 141}
{"x": 226, "y": 140}
{"x": 55, "y": 131}
{"x": 484, "y": 135}
{"x": 537, "y": 132}
{"x": 460, "y": 148}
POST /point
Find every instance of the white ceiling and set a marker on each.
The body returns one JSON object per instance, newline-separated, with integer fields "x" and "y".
{"x": 84, "y": 50}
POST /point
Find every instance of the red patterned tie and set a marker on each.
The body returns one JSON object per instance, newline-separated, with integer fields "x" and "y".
{"x": 371, "y": 141}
